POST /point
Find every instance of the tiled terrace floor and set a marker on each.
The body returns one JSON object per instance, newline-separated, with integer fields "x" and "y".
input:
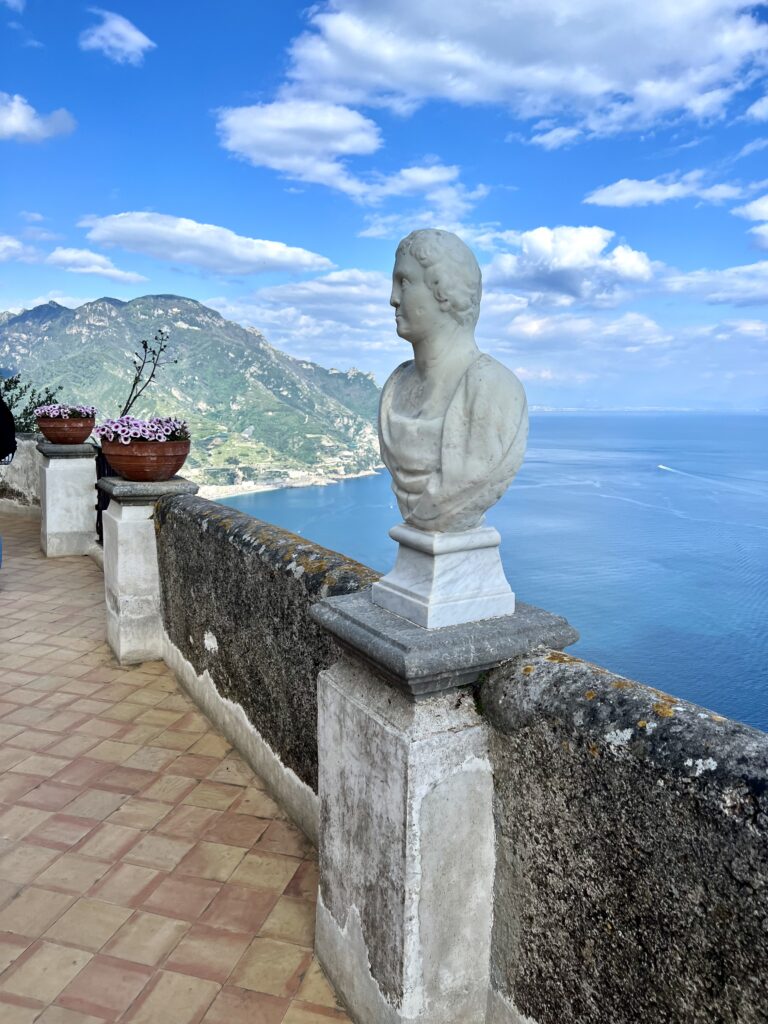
{"x": 146, "y": 877}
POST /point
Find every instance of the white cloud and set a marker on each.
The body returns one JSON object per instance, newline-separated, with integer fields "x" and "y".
{"x": 205, "y": 246}
{"x": 83, "y": 261}
{"x": 20, "y": 121}
{"x": 740, "y": 286}
{"x": 760, "y": 233}
{"x": 755, "y": 146}
{"x": 759, "y": 110}
{"x": 31, "y": 216}
{"x": 303, "y": 139}
{"x": 600, "y": 65}
{"x": 10, "y": 248}
{"x": 117, "y": 38}
{"x": 654, "y": 191}
{"x": 756, "y": 210}
{"x": 556, "y": 138}
{"x": 569, "y": 263}
{"x": 14, "y": 5}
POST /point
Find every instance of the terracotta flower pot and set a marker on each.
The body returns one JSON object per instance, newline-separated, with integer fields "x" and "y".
{"x": 75, "y": 430}
{"x": 146, "y": 460}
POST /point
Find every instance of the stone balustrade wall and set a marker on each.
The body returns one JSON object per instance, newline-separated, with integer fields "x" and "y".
{"x": 20, "y": 482}
{"x": 236, "y": 594}
{"x": 632, "y": 852}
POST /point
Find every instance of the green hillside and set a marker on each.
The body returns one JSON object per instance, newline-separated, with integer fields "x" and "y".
{"x": 255, "y": 412}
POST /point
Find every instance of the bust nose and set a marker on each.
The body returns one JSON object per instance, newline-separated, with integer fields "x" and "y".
{"x": 394, "y": 300}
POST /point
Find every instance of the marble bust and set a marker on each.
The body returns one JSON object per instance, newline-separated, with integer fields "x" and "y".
{"x": 453, "y": 422}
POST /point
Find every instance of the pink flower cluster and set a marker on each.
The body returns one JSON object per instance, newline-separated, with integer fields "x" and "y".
{"x": 128, "y": 429}
{"x": 66, "y": 412}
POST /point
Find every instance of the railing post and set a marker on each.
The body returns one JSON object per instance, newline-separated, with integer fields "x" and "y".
{"x": 406, "y": 818}
{"x": 131, "y": 578}
{"x": 67, "y": 498}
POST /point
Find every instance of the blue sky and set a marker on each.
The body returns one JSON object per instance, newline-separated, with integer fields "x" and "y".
{"x": 606, "y": 160}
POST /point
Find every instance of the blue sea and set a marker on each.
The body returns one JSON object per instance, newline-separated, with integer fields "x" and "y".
{"x": 649, "y": 533}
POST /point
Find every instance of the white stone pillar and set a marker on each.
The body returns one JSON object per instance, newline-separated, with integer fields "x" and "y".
{"x": 67, "y": 498}
{"x": 131, "y": 579}
{"x": 407, "y": 836}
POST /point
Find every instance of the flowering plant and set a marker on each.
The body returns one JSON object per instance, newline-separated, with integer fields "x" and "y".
{"x": 65, "y": 412}
{"x": 127, "y": 429}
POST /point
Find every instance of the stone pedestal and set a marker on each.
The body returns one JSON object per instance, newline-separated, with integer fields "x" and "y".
{"x": 406, "y": 818}
{"x": 131, "y": 580}
{"x": 443, "y": 579}
{"x": 67, "y": 498}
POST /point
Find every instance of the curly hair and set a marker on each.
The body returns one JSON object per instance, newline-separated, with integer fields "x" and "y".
{"x": 451, "y": 271}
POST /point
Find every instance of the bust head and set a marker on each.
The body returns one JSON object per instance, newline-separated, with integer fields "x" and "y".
{"x": 446, "y": 269}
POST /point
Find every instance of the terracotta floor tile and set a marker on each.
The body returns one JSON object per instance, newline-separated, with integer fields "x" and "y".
{"x": 315, "y": 988}
{"x": 208, "y": 952}
{"x": 305, "y": 1013}
{"x": 126, "y": 884}
{"x": 11, "y": 946}
{"x": 146, "y": 938}
{"x": 72, "y": 873}
{"x": 292, "y": 921}
{"x": 304, "y": 883}
{"x": 215, "y": 795}
{"x": 8, "y": 731}
{"x": 11, "y": 756}
{"x": 187, "y": 822}
{"x": 124, "y": 711}
{"x": 169, "y": 789}
{"x": 89, "y": 923}
{"x": 63, "y": 721}
{"x": 61, "y": 831}
{"x": 98, "y": 727}
{"x": 276, "y": 968}
{"x": 240, "y": 909}
{"x": 185, "y": 898}
{"x": 211, "y": 745}
{"x": 257, "y": 802}
{"x": 148, "y": 698}
{"x": 25, "y": 862}
{"x": 105, "y": 987}
{"x": 239, "y": 1006}
{"x": 158, "y": 716}
{"x": 268, "y": 871}
{"x": 139, "y": 813}
{"x": 236, "y": 830}
{"x": 82, "y": 772}
{"x": 234, "y": 771}
{"x": 193, "y": 765}
{"x": 284, "y": 837}
{"x": 175, "y": 740}
{"x": 50, "y": 796}
{"x": 154, "y": 759}
{"x": 96, "y": 803}
{"x": 211, "y": 860}
{"x": 127, "y": 780}
{"x": 16, "y": 822}
{"x": 73, "y": 745}
{"x": 109, "y": 842}
{"x": 44, "y": 971}
{"x": 17, "y": 1010}
{"x": 60, "y": 1015}
{"x": 13, "y": 786}
{"x": 113, "y": 751}
{"x": 192, "y": 721}
{"x": 141, "y": 734}
{"x": 31, "y": 739}
{"x": 173, "y": 999}
{"x": 161, "y": 852}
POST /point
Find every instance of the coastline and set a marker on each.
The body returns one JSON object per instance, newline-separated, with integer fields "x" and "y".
{"x": 213, "y": 492}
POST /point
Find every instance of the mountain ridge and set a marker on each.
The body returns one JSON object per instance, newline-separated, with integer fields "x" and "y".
{"x": 255, "y": 412}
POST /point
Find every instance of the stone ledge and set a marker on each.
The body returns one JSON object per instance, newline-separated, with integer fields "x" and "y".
{"x": 427, "y": 661}
{"x": 67, "y": 451}
{"x": 145, "y": 492}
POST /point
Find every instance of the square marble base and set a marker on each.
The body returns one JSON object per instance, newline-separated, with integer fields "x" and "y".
{"x": 444, "y": 579}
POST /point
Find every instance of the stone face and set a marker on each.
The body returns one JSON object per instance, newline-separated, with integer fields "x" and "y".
{"x": 423, "y": 661}
{"x": 67, "y": 499}
{"x": 443, "y": 579}
{"x": 248, "y": 586}
{"x": 406, "y": 851}
{"x": 632, "y": 852}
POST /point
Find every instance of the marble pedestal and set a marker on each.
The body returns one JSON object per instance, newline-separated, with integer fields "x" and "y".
{"x": 131, "y": 578}
{"x": 443, "y": 579}
{"x": 67, "y": 498}
{"x": 405, "y": 785}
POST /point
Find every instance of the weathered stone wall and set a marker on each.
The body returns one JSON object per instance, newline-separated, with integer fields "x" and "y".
{"x": 236, "y": 593}
{"x": 20, "y": 482}
{"x": 632, "y": 852}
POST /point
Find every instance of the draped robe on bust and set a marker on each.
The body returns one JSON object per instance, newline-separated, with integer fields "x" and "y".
{"x": 483, "y": 440}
